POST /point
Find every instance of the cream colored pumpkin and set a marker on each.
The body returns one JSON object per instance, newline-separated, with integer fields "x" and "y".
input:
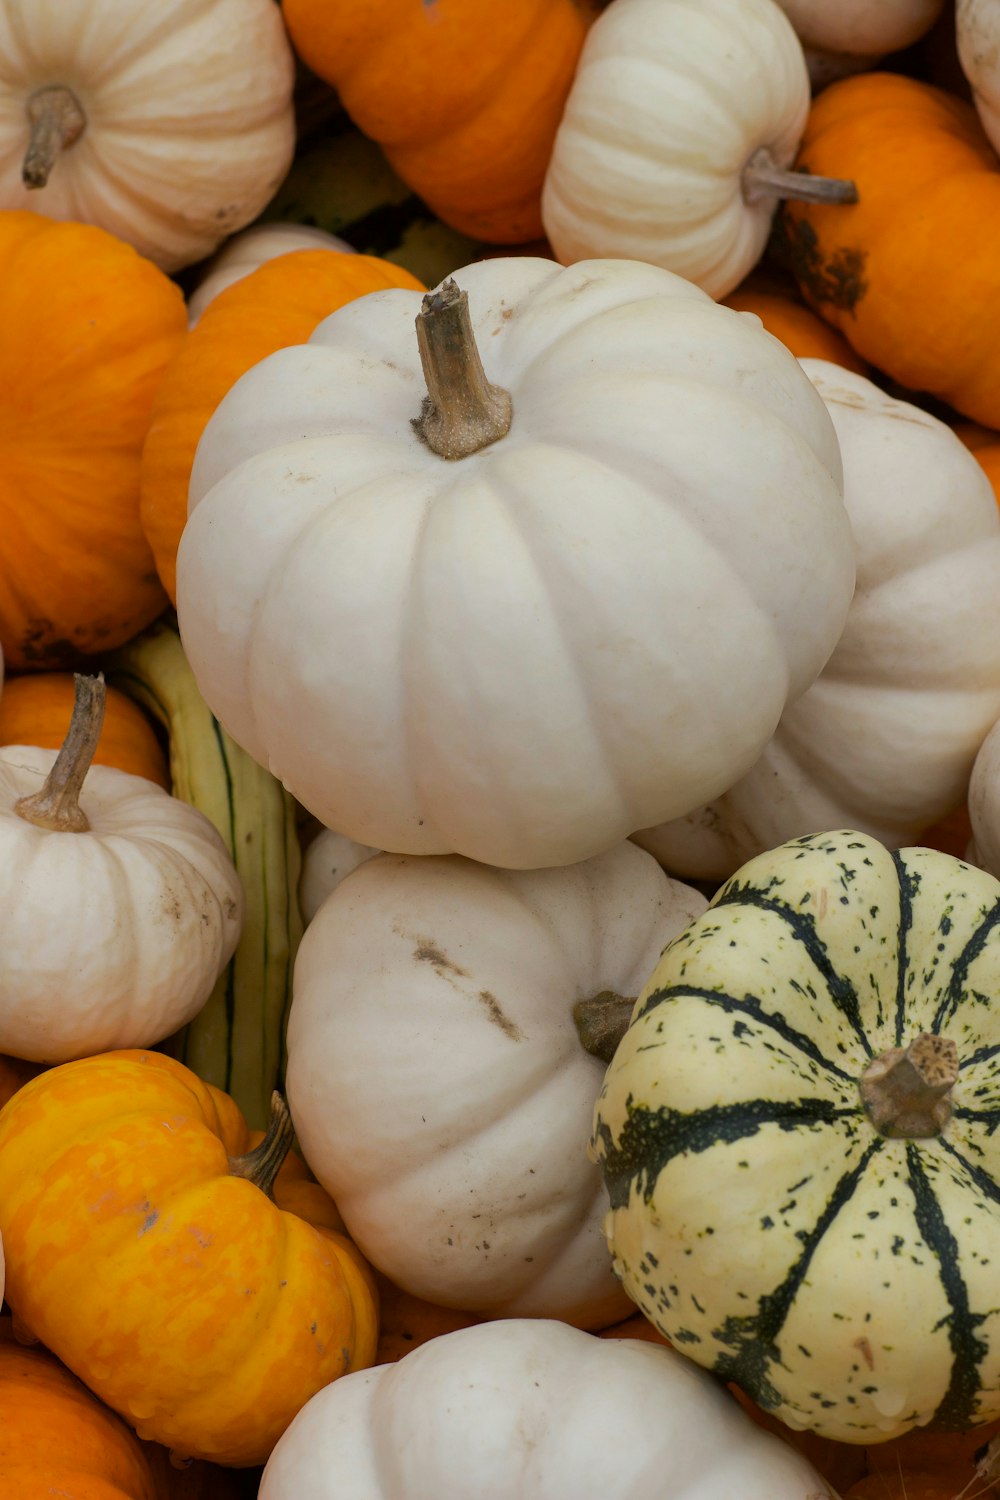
{"x": 984, "y": 804}
{"x": 175, "y": 117}
{"x": 977, "y": 33}
{"x": 438, "y": 1085}
{"x": 679, "y": 117}
{"x": 854, "y": 34}
{"x": 885, "y": 739}
{"x": 121, "y": 908}
{"x": 507, "y": 654}
{"x": 252, "y": 248}
{"x": 532, "y": 1410}
{"x": 327, "y": 861}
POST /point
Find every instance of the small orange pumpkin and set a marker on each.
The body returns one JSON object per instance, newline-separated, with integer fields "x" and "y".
{"x": 88, "y": 329}
{"x": 143, "y": 1248}
{"x": 464, "y": 96}
{"x": 277, "y": 305}
{"x": 884, "y": 270}
{"x": 800, "y": 330}
{"x": 36, "y": 711}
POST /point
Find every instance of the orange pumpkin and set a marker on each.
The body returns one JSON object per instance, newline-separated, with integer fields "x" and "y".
{"x": 985, "y": 444}
{"x": 909, "y": 274}
{"x": 278, "y": 304}
{"x": 36, "y": 711}
{"x": 464, "y": 96}
{"x": 800, "y": 330}
{"x": 88, "y": 329}
{"x": 406, "y": 1322}
{"x": 57, "y": 1439}
{"x": 143, "y": 1249}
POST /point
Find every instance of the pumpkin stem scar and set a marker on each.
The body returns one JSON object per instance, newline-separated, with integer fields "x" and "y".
{"x": 57, "y": 120}
{"x": 262, "y": 1165}
{"x": 57, "y": 805}
{"x": 763, "y": 178}
{"x": 462, "y": 412}
{"x": 907, "y": 1090}
{"x": 602, "y": 1021}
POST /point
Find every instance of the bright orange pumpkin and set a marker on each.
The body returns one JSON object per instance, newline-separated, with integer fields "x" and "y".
{"x": 140, "y": 1253}
{"x": 36, "y": 710}
{"x": 464, "y": 96}
{"x": 909, "y": 274}
{"x": 277, "y": 305}
{"x": 800, "y": 330}
{"x": 88, "y": 329}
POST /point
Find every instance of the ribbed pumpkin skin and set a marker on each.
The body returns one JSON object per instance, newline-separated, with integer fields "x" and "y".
{"x": 88, "y": 328}
{"x": 464, "y": 96}
{"x": 36, "y": 711}
{"x": 279, "y": 304}
{"x": 800, "y": 330}
{"x": 56, "y": 1439}
{"x": 182, "y": 1296}
{"x": 928, "y": 200}
{"x": 846, "y": 1281}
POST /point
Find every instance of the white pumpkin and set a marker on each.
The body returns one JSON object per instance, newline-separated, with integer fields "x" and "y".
{"x": 984, "y": 804}
{"x": 884, "y": 740}
{"x": 681, "y": 121}
{"x": 522, "y": 653}
{"x": 438, "y": 1085}
{"x": 977, "y": 33}
{"x": 252, "y": 248}
{"x": 532, "y": 1410}
{"x": 327, "y": 861}
{"x": 857, "y": 33}
{"x": 168, "y": 124}
{"x": 121, "y": 904}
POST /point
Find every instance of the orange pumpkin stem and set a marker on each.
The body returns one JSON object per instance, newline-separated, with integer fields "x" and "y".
{"x": 57, "y": 120}
{"x": 763, "y": 178}
{"x": 57, "y": 805}
{"x": 602, "y": 1021}
{"x": 262, "y": 1165}
{"x": 462, "y": 411}
{"x": 906, "y": 1090}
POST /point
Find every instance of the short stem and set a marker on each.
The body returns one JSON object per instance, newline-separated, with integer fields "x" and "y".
{"x": 57, "y": 120}
{"x": 462, "y": 411}
{"x": 57, "y": 805}
{"x": 906, "y": 1090}
{"x": 602, "y": 1022}
{"x": 262, "y": 1165}
{"x": 763, "y": 178}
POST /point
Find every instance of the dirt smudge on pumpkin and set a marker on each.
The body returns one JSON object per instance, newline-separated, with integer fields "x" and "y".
{"x": 427, "y": 951}
{"x": 866, "y": 1352}
{"x": 499, "y": 1017}
{"x": 838, "y": 278}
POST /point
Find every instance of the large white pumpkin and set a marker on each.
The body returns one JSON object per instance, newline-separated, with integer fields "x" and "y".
{"x": 526, "y": 653}
{"x": 532, "y": 1410}
{"x": 438, "y": 1085}
{"x": 167, "y": 122}
{"x": 885, "y": 739}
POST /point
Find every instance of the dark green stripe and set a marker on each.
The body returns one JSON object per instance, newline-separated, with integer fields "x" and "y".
{"x": 752, "y": 1006}
{"x": 981, "y": 1055}
{"x": 230, "y": 967}
{"x": 909, "y": 884}
{"x": 957, "y": 1410}
{"x": 955, "y": 991}
{"x": 803, "y": 928}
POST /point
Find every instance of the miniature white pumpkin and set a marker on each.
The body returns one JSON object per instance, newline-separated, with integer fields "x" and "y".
{"x": 884, "y": 740}
{"x": 532, "y": 1410}
{"x": 169, "y": 124}
{"x": 984, "y": 805}
{"x": 439, "y": 1087}
{"x": 327, "y": 861}
{"x": 977, "y": 33}
{"x": 121, "y": 904}
{"x": 252, "y": 248}
{"x": 521, "y": 653}
{"x": 854, "y": 34}
{"x": 681, "y": 121}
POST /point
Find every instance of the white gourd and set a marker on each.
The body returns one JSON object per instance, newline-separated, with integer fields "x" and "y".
{"x": 327, "y": 861}
{"x": 855, "y": 34}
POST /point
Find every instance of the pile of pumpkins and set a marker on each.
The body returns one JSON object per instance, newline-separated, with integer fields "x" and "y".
{"x": 500, "y": 749}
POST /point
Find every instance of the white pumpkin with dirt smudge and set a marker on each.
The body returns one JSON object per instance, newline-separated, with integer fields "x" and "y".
{"x": 436, "y": 1076}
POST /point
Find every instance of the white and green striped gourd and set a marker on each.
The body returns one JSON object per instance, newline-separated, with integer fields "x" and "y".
{"x": 799, "y": 1137}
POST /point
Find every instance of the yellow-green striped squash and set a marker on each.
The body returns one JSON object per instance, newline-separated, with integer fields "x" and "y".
{"x": 845, "y": 1275}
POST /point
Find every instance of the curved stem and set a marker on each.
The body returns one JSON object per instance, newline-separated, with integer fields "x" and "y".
{"x": 57, "y": 120}
{"x": 602, "y": 1022}
{"x": 262, "y": 1165}
{"x": 763, "y": 178}
{"x": 462, "y": 412}
{"x": 906, "y": 1090}
{"x": 57, "y": 805}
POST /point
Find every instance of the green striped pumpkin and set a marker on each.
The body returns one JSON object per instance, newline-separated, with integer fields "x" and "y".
{"x": 847, "y": 1277}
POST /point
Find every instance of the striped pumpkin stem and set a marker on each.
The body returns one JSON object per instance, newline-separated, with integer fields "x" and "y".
{"x": 907, "y": 1090}
{"x": 602, "y": 1022}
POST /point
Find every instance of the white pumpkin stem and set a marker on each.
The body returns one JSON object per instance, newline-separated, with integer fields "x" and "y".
{"x": 57, "y": 805}
{"x": 462, "y": 412}
{"x": 57, "y": 119}
{"x": 906, "y": 1090}
{"x": 763, "y": 178}
{"x": 262, "y": 1165}
{"x": 602, "y": 1021}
